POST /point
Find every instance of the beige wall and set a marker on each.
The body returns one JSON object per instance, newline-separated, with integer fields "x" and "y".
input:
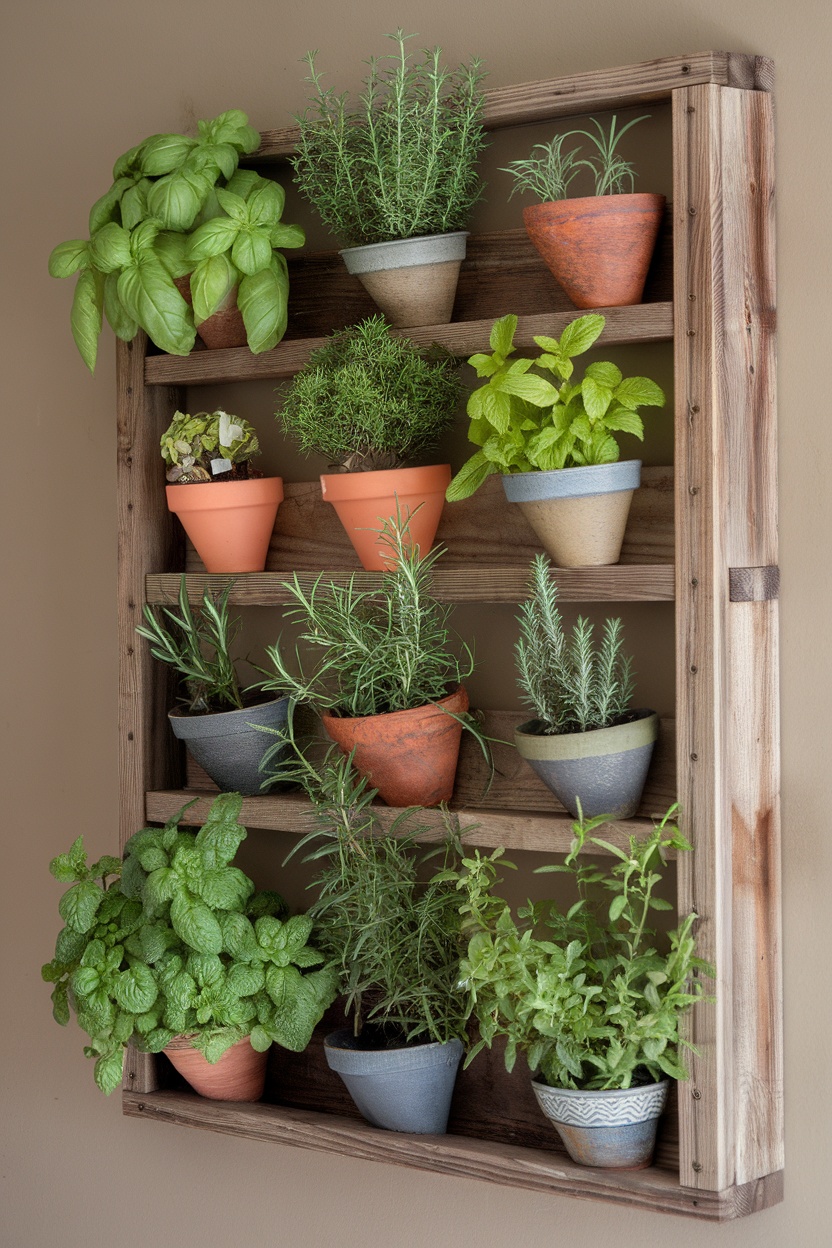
{"x": 79, "y": 83}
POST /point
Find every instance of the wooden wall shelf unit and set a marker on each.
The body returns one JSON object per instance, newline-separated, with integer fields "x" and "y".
{"x": 702, "y": 534}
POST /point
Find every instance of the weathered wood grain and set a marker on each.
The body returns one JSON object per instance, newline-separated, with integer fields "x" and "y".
{"x": 645, "y": 322}
{"x": 726, "y": 653}
{"x": 505, "y": 1164}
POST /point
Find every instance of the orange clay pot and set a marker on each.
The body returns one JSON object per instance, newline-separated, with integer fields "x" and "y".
{"x": 599, "y": 248}
{"x": 224, "y": 328}
{"x": 239, "y": 1075}
{"x": 409, "y": 756}
{"x": 229, "y": 522}
{"x": 364, "y": 500}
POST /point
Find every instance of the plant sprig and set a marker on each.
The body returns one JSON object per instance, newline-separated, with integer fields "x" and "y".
{"x": 549, "y": 176}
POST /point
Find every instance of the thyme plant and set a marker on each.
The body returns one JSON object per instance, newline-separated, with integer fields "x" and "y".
{"x": 570, "y": 684}
{"x": 369, "y": 401}
{"x": 404, "y": 163}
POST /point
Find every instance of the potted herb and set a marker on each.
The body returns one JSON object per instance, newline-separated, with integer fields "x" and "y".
{"x": 175, "y": 952}
{"x": 226, "y": 506}
{"x": 220, "y": 723}
{"x": 134, "y": 269}
{"x": 599, "y": 247}
{"x": 370, "y": 402}
{"x": 396, "y": 180}
{"x": 584, "y": 741}
{"x": 554, "y": 443}
{"x": 591, "y": 996}
{"x": 388, "y": 920}
{"x": 385, "y": 675}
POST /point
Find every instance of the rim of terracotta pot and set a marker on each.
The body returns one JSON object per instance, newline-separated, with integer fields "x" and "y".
{"x": 406, "y": 253}
{"x": 216, "y": 495}
{"x": 338, "y": 486}
{"x": 458, "y": 695}
{"x": 583, "y": 482}
{"x": 596, "y": 743}
{"x": 596, "y": 205}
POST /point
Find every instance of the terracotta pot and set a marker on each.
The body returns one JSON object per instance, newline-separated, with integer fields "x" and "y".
{"x": 229, "y": 522}
{"x": 409, "y": 756}
{"x": 599, "y": 248}
{"x": 364, "y": 500}
{"x": 412, "y": 280}
{"x": 224, "y": 328}
{"x": 239, "y": 1075}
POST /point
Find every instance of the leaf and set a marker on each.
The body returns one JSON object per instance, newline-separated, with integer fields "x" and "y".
{"x": 617, "y": 908}
{"x": 160, "y": 886}
{"x": 109, "y": 1071}
{"x": 252, "y": 250}
{"x": 163, "y": 153}
{"x": 69, "y": 945}
{"x": 172, "y": 251}
{"x": 67, "y": 258}
{"x": 135, "y": 989}
{"x": 580, "y": 334}
{"x": 245, "y": 981}
{"x": 176, "y": 198}
{"x": 605, "y": 374}
{"x": 496, "y": 408}
{"x": 238, "y": 937}
{"x": 153, "y": 858}
{"x": 149, "y": 296}
{"x": 225, "y": 888}
{"x": 624, "y": 421}
{"x": 60, "y": 1004}
{"x": 197, "y": 926}
{"x": 502, "y": 335}
{"x": 265, "y": 203}
{"x": 639, "y": 392}
{"x": 212, "y": 281}
{"x": 134, "y": 204}
{"x": 596, "y": 397}
{"x": 235, "y": 206}
{"x": 221, "y": 835}
{"x": 300, "y": 1001}
{"x": 106, "y": 208}
{"x": 534, "y": 390}
{"x": 86, "y": 313}
{"x": 85, "y": 981}
{"x": 470, "y": 477}
{"x": 260, "y": 1039}
{"x": 263, "y": 301}
{"x": 485, "y": 365}
{"x": 66, "y": 867}
{"x": 243, "y": 183}
{"x": 281, "y": 235}
{"x": 79, "y": 905}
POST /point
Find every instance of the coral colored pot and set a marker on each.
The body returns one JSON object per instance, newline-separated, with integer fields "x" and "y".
{"x": 224, "y": 328}
{"x": 229, "y": 522}
{"x": 364, "y": 500}
{"x": 599, "y": 248}
{"x": 409, "y": 756}
{"x": 239, "y": 1075}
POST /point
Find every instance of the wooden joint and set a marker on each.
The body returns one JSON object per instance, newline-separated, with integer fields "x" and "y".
{"x": 754, "y": 584}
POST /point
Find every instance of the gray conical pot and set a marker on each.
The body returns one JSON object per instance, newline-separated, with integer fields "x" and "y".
{"x": 407, "y": 1089}
{"x": 230, "y": 747}
{"x": 413, "y": 280}
{"x": 606, "y": 768}
{"x": 614, "y": 1129}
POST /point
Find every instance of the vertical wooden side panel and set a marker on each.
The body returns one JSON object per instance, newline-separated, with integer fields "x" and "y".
{"x": 726, "y": 652}
{"x": 147, "y": 542}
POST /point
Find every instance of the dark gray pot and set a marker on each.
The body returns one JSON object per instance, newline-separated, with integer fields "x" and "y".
{"x": 606, "y": 768}
{"x": 407, "y": 1089}
{"x": 228, "y": 747}
{"x": 615, "y": 1129}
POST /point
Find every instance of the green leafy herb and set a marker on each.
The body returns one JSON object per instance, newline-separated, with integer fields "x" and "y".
{"x": 191, "y": 444}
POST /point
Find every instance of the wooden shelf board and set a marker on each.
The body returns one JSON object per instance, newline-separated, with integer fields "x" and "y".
{"x": 641, "y": 323}
{"x": 624, "y": 87}
{"x": 620, "y": 583}
{"x": 541, "y": 831}
{"x": 507, "y": 1164}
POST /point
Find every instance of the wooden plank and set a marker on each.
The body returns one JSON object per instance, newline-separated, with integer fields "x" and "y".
{"x": 731, "y": 1127}
{"x": 575, "y": 94}
{"x": 645, "y": 322}
{"x": 485, "y": 536}
{"x": 148, "y": 537}
{"x": 506, "y": 1164}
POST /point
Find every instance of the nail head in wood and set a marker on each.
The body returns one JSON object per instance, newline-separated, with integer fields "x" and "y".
{"x": 754, "y": 584}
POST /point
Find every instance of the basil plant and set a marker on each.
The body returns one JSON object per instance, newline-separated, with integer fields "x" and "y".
{"x": 148, "y": 232}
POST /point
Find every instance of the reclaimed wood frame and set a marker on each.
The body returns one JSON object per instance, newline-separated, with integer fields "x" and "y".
{"x": 725, "y": 584}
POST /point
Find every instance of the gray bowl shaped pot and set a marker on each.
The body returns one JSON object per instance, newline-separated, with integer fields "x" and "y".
{"x": 227, "y": 746}
{"x": 412, "y": 280}
{"x": 606, "y": 768}
{"x": 407, "y": 1089}
{"x": 613, "y": 1129}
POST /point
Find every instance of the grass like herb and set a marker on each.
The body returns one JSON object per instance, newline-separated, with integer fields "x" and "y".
{"x": 549, "y": 175}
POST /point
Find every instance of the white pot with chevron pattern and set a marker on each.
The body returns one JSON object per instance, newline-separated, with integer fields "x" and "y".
{"x": 613, "y": 1129}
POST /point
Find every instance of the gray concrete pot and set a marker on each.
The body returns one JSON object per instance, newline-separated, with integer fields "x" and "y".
{"x": 579, "y": 514}
{"x": 228, "y": 747}
{"x": 413, "y": 280}
{"x": 407, "y": 1089}
{"x": 615, "y": 1130}
{"x": 606, "y": 768}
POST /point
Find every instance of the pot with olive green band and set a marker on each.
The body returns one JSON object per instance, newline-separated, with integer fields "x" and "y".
{"x": 605, "y": 768}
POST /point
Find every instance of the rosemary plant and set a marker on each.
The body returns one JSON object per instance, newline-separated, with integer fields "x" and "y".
{"x": 198, "y": 646}
{"x": 549, "y": 175}
{"x": 571, "y": 685}
{"x": 612, "y": 173}
{"x": 404, "y": 163}
{"x": 368, "y": 401}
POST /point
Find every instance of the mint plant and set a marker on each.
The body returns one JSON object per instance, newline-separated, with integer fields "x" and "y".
{"x": 592, "y": 996}
{"x": 523, "y": 420}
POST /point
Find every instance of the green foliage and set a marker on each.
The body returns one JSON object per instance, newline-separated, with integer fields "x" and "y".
{"x": 549, "y": 175}
{"x": 368, "y": 401}
{"x": 198, "y": 645}
{"x": 374, "y": 650}
{"x": 179, "y": 943}
{"x": 387, "y": 918}
{"x": 404, "y": 163}
{"x": 571, "y": 685}
{"x": 171, "y": 195}
{"x": 191, "y": 444}
{"x": 522, "y": 420}
{"x": 586, "y": 995}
